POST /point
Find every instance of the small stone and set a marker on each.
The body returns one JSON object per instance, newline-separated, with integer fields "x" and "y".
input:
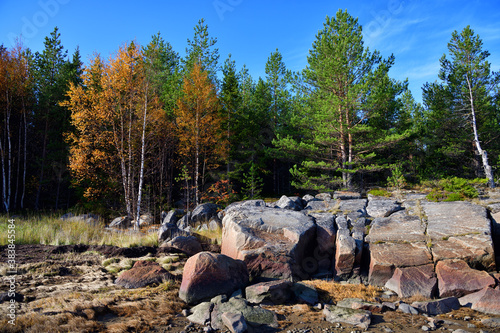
{"x": 471, "y": 325}
{"x": 467, "y": 318}
{"x": 319, "y": 306}
{"x": 185, "y": 312}
{"x": 425, "y": 328}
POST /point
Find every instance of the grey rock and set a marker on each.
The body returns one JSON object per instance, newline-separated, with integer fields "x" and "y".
{"x": 235, "y": 322}
{"x": 276, "y": 292}
{"x": 306, "y": 198}
{"x": 186, "y": 244}
{"x": 337, "y": 314}
{"x": 201, "y": 313}
{"x": 286, "y": 203}
{"x": 122, "y": 222}
{"x": 305, "y": 293}
{"x": 405, "y": 308}
{"x": 439, "y": 306}
{"x": 491, "y": 322}
{"x": 169, "y": 231}
{"x": 346, "y": 195}
{"x": 173, "y": 216}
{"x": 323, "y": 196}
{"x": 345, "y": 255}
{"x": 203, "y": 213}
{"x": 382, "y": 207}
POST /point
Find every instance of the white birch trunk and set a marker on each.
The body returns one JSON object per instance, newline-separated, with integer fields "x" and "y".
{"x": 143, "y": 147}
{"x": 484, "y": 155}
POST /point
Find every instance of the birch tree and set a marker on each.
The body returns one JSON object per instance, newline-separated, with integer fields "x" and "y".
{"x": 467, "y": 78}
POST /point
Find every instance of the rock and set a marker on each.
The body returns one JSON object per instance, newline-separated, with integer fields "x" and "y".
{"x": 254, "y": 316}
{"x": 173, "y": 216}
{"x": 276, "y": 292}
{"x": 353, "y": 209}
{"x": 456, "y": 278}
{"x": 357, "y": 303}
{"x": 323, "y": 196}
{"x": 438, "y": 306}
{"x": 214, "y": 224}
{"x": 411, "y": 281}
{"x": 382, "y": 207}
{"x": 201, "y": 313}
{"x": 494, "y": 208}
{"x": 346, "y": 195}
{"x": 345, "y": 255}
{"x": 306, "y": 198}
{"x": 469, "y": 299}
{"x": 337, "y": 314}
{"x": 326, "y": 231}
{"x": 186, "y": 244}
{"x": 385, "y": 257}
{"x": 489, "y": 302}
{"x": 235, "y": 322}
{"x": 287, "y": 203}
{"x": 272, "y": 242}
{"x": 460, "y": 230}
{"x": 169, "y": 231}
{"x": 405, "y": 308}
{"x": 91, "y": 219}
{"x": 207, "y": 275}
{"x": 184, "y": 223}
{"x": 203, "y": 213}
{"x": 305, "y": 293}
{"x": 400, "y": 227}
{"x": 145, "y": 219}
{"x": 246, "y": 204}
{"x": 142, "y": 274}
{"x": 122, "y": 222}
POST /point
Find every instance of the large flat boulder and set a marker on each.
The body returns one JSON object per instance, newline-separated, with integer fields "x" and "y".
{"x": 338, "y": 314}
{"x": 271, "y": 241}
{"x": 381, "y": 206}
{"x": 207, "y": 275}
{"x": 386, "y": 256}
{"x": 466, "y": 229}
{"x": 400, "y": 227}
{"x": 489, "y": 302}
{"x": 456, "y": 278}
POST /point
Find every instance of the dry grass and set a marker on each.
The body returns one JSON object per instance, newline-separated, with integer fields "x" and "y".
{"x": 333, "y": 291}
{"x": 51, "y": 230}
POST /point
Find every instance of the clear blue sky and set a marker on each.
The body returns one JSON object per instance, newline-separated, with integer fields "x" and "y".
{"x": 415, "y": 31}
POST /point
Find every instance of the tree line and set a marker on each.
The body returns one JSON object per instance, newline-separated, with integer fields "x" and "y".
{"x": 146, "y": 129}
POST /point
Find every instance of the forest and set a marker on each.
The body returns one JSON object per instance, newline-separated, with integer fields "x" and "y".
{"x": 145, "y": 130}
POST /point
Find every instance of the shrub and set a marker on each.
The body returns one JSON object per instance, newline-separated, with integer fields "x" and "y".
{"x": 454, "y": 189}
{"x": 379, "y": 192}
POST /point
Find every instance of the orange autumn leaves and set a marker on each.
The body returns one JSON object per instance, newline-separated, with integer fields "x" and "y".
{"x": 113, "y": 106}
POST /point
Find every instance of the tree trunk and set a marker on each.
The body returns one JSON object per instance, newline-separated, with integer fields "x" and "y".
{"x": 143, "y": 147}
{"x": 484, "y": 155}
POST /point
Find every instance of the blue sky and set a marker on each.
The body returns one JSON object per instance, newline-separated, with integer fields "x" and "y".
{"x": 415, "y": 31}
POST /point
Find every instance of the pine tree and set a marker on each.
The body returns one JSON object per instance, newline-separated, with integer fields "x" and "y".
{"x": 340, "y": 132}
{"x": 466, "y": 93}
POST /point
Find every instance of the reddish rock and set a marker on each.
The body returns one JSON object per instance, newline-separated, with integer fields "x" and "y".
{"x": 411, "y": 281}
{"x": 385, "y": 257}
{"x": 208, "y": 274}
{"x": 456, "y": 278}
{"x": 345, "y": 255}
{"x": 142, "y": 274}
{"x": 272, "y": 242}
{"x": 489, "y": 302}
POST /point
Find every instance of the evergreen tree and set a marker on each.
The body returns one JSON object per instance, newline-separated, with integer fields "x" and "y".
{"x": 53, "y": 72}
{"x": 465, "y": 96}
{"x": 347, "y": 104}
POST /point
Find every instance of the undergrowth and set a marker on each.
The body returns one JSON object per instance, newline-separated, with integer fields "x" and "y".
{"x": 51, "y": 230}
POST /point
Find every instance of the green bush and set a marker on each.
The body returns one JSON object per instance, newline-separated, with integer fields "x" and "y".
{"x": 455, "y": 189}
{"x": 379, "y": 192}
